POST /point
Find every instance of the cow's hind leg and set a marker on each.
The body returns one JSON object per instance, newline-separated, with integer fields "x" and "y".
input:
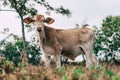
{"x": 88, "y": 56}
{"x": 94, "y": 59}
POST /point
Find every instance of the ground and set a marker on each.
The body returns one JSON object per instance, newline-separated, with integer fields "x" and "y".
{"x": 67, "y": 72}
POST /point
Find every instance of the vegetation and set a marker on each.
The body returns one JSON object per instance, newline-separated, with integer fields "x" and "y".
{"x": 13, "y": 51}
{"x": 69, "y": 72}
{"x": 107, "y": 39}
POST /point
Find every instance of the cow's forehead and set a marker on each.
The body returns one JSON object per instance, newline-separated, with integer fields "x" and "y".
{"x": 38, "y": 17}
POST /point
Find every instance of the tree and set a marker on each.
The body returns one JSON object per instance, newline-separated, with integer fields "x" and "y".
{"x": 13, "y": 51}
{"x": 27, "y": 7}
{"x": 108, "y": 36}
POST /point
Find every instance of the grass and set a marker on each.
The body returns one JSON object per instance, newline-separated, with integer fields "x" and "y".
{"x": 68, "y": 72}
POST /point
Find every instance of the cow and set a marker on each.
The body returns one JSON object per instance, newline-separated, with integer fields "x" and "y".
{"x": 66, "y": 42}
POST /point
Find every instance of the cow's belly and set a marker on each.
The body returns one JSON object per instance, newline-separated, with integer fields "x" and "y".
{"x": 72, "y": 52}
{"x": 48, "y": 50}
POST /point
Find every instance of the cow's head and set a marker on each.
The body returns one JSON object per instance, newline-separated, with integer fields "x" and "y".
{"x": 38, "y": 20}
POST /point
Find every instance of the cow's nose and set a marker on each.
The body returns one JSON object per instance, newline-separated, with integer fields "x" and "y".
{"x": 39, "y": 29}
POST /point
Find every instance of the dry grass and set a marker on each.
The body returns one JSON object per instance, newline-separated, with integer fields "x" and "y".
{"x": 68, "y": 72}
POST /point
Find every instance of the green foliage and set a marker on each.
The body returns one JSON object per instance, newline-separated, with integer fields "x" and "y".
{"x": 107, "y": 38}
{"x": 95, "y": 75}
{"x": 10, "y": 50}
{"x": 109, "y": 73}
{"x": 13, "y": 50}
{"x": 25, "y": 7}
{"x": 65, "y": 77}
{"x": 115, "y": 77}
{"x": 111, "y": 29}
{"x": 34, "y": 51}
{"x": 48, "y": 7}
{"x": 22, "y": 65}
{"x": 0, "y": 71}
{"x": 60, "y": 70}
{"x": 77, "y": 72}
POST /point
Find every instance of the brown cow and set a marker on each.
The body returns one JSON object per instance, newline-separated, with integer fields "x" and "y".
{"x": 67, "y": 42}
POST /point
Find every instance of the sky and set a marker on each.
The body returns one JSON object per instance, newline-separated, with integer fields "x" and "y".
{"x": 91, "y": 11}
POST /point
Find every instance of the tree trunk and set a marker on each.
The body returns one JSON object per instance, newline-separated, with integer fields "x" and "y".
{"x": 23, "y": 31}
{"x": 23, "y": 35}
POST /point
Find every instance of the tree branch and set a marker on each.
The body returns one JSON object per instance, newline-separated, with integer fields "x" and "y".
{"x": 8, "y": 10}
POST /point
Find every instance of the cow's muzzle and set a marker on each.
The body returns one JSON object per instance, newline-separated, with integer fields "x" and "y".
{"x": 39, "y": 29}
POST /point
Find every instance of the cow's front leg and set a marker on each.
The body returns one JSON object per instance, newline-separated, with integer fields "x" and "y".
{"x": 57, "y": 53}
{"x": 57, "y": 60}
{"x": 47, "y": 60}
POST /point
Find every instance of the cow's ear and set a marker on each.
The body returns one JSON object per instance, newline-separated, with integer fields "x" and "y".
{"x": 28, "y": 20}
{"x": 49, "y": 20}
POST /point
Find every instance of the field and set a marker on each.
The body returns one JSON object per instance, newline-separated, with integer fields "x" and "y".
{"x": 68, "y": 72}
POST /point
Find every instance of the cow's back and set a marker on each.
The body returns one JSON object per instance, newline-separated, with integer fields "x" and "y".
{"x": 74, "y": 36}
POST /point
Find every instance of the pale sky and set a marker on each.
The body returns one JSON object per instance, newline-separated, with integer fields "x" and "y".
{"x": 91, "y": 11}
